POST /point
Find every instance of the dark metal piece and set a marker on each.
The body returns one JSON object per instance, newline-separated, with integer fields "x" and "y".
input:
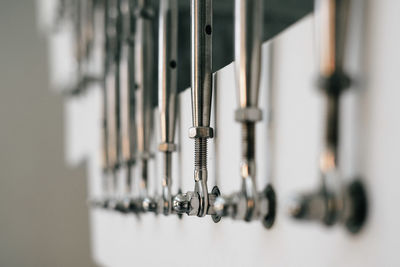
{"x": 359, "y": 206}
{"x": 216, "y": 193}
{"x": 334, "y": 84}
{"x": 269, "y": 219}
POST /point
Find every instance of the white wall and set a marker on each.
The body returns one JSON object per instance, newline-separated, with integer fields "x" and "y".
{"x": 43, "y": 214}
{"x": 371, "y": 112}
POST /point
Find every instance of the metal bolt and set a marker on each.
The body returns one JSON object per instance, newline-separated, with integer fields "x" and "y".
{"x": 187, "y": 203}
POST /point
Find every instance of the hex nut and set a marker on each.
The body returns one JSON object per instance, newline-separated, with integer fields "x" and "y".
{"x": 250, "y": 114}
{"x": 201, "y": 132}
{"x": 167, "y": 147}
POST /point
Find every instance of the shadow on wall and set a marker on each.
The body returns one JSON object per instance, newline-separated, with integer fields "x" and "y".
{"x": 43, "y": 216}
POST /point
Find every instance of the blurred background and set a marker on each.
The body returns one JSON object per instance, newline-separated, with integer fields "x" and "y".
{"x": 40, "y": 225}
{"x": 44, "y": 219}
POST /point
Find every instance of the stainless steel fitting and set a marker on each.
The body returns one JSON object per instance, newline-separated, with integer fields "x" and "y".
{"x": 248, "y": 31}
{"x": 201, "y": 82}
{"x": 167, "y": 93}
{"x": 333, "y": 202}
{"x": 129, "y": 68}
{"x": 127, "y": 101}
{"x": 111, "y": 85}
{"x": 144, "y": 19}
{"x": 248, "y": 204}
{"x": 236, "y": 205}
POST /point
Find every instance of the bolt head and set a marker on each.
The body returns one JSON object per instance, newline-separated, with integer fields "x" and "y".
{"x": 188, "y": 203}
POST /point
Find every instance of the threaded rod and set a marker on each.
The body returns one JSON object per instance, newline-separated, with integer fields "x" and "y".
{"x": 200, "y": 153}
{"x": 248, "y": 141}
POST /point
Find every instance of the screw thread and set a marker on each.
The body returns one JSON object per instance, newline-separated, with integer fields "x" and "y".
{"x": 200, "y": 153}
{"x": 248, "y": 141}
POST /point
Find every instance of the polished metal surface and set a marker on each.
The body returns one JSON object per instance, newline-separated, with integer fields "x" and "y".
{"x": 167, "y": 92}
{"x": 201, "y": 58}
{"x": 331, "y": 29}
{"x": 201, "y": 81}
{"x": 248, "y": 33}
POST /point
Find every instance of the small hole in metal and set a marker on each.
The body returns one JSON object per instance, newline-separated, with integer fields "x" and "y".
{"x": 208, "y": 29}
{"x": 172, "y": 64}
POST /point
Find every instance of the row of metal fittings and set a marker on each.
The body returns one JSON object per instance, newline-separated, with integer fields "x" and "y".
{"x": 128, "y": 83}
